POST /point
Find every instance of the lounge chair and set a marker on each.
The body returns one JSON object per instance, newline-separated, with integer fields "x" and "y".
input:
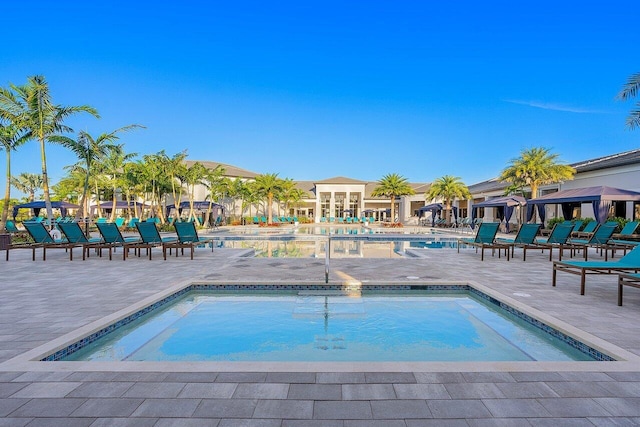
{"x": 525, "y": 238}
{"x": 112, "y": 237}
{"x": 42, "y": 239}
{"x": 485, "y": 238}
{"x": 11, "y": 227}
{"x": 626, "y": 279}
{"x": 558, "y": 238}
{"x": 598, "y": 240}
{"x": 587, "y": 231}
{"x": 187, "y": 238}
{"x": 629, "y": 262}
{"x": 623, "y": 240}
{"x": 149, "y": 238}
{"x": 74, "y": 234}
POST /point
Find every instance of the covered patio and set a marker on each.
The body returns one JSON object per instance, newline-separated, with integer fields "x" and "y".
{"x": 505, "y": 207}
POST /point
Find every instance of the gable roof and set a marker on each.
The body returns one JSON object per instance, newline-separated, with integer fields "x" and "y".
{"x": 230, "y": 170}
{"x": 340, "y": 180}
{"x": 621, "y": 159}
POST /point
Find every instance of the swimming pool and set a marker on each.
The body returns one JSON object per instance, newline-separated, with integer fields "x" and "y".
{"x": 302, "y": 323}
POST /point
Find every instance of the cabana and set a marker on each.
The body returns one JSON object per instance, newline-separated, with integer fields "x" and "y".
{"x": 120, "y": 205}
{"x": 216, "y": 209}
{"x": 434, "y": 208}
{"x": 504, "y": 205}
{"x": 601, "y": 198}
{"x": 40, "y": 204}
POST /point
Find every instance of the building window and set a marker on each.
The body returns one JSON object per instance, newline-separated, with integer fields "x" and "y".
{"x": 325, "y": 204}
{"x": 340, "y": 204}
{"x": 354, "y": 204}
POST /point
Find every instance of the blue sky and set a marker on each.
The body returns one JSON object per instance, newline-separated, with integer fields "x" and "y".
{"x": 312, "y": 90}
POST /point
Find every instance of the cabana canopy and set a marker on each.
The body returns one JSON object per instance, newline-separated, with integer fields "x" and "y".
{"x": 120, "y": 204}
{"x": 505, "y": 206}
{"x": 197, "y": 205}
{"x": 600, "y": 197}
{"x": 40, "y": 204}
{"x": 436, "y": 207}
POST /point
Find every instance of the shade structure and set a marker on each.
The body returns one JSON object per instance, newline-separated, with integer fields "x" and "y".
{"x": 120, "y": 204}
{"x": 200, "y": 205}
{"x": 601, "y": 198}
{"x": 505, "y": 206}
{"x": 40, "y": 204}
{"x": 433, "y": 208}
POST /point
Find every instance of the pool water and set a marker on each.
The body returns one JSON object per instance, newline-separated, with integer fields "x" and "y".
{"x": 328, "y": 327}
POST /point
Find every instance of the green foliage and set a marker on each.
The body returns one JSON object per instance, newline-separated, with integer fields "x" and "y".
{"x": 553, "y": 221}
{"x": 621, "y": 223}
{"x": 630, "y": 90}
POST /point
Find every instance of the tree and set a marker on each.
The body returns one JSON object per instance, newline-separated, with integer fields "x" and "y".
{"x": 31, "y": 106}
{"x": 90, "y": 150}
{"x": 290, "y": 194}
{"x": 175, "y": 169}
{"x": 536, "y": 167}
{"x": 217, "y": 185}
{"x": 392, "y": 185}
{"x": 28, "y": 183}
{"x": 195, "y": 175}
{"x": 268, "y": 186}
{"x": 11, "y": 137}
{"x": 630, "y": 90}
{"x": 448, "y": 188}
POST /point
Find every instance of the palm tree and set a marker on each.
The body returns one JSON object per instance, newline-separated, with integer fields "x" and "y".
{"x": 448, "y": 188}
{"x": 113, "y": 169}
{"x": 31, "y": 106}
{"x": 195, "y": 175}
{"x": 174, "y": 168}
{"x": 268, "y": 185}
{"x": 28, "y": 183}
{"x": 89, "y": 151}
{"x": 217, "y": 184}
{"x": 535, "y": 167}
{"x": 11, "y": 137}
{"x": 290, "y": 194}
{"x": 392, "y": 185}
{"x": 630, "y": 90}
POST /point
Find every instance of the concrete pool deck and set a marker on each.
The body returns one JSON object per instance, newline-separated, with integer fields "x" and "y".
{"x": 41, "y": 301}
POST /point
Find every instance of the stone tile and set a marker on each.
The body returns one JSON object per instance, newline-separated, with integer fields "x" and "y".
{"x": 92, "y": 376}
{"x": 555, "y": 422}
{"x": 579, "y": 389}
{"x": 488, "y": 377}
{"x": 101, "y": 389}
{"x": 437, "y": 423}
{"x": 374, "y": 423}
{"x": 585, "y": 376}
{"x": 241, "y": 377}
{"x": 312, "y": 423}
{"x": 129, "y": 422}
{"x": 187, "y": 422}
{"x": 291, "y": 377}
{"x": 342, "y": 410}
{"x": 389, "y": 377}
{"x": 14, "y": 422}
{"x": 154, "y": 390}
{"x": 574, "y": 407}
{"x": 284, "y": 409}
{"x": 7, "y": 406}
{"x": 614, "y": 422}
{"x": 61, "y": 422}
{"x": 622, "y": 389}
{"x": 226, "y": 408}
{"x": 208, "y": 390}
{"x": 9, "y": 376}
{"x": 191, "y": 377}
{"x": 458, "y": 409}
{"x": 501, "y": 422}
{"x": 8, "y": 389}
{"x": 236, "y": 422}
{"x": 536, "y": 376}
{"x": 439, "y": 377}
{"x": 474, "y": 391}
{"x": 46, "y": 389}
{"x": 261, "y": 391}
{"x": 421, "y": 391}
{"x": 174, "y": 408}
{"x": 315, "y": 391}
{"x": 31, "y": 377}
{"x": 515, "y": 408}
{"x": 625, "y": 376}
{"x": 400, "y": 409}
{"x": 47, "y": 407}
{"x": 526, "y": 390}
{"x": 107, "y": 407}
{"x": 140, "y": 376}
{"x": 340, "y": 377}
{"x": 368, "y": 391}
{"x": 621, "y": 407}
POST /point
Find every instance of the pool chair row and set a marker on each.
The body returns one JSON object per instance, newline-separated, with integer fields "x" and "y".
{"x": 348, "y": 220}
{"x": 70, "y": 236}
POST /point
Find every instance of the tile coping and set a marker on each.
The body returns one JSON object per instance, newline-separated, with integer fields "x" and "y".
{"x": 33, "y": 360}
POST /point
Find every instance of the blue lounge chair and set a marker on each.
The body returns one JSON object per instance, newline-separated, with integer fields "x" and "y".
{"x": 74, "y": 234}
{"x": 187, "y": 238}
{"x": 598, "y": 240}
{"x": 629, "y": 262}
{"x": 11, "y": 227}
{"x": 623, "y": 240}
{"x": 526, "y": 237}
{"x": 149, "y": 238}
{"x": 587, "y": 231}
{"x": 42, "y": 239}
{"x": 112, "y": 237}
{"x": 485, "y": 239}
{"x": 626, "y": 279}
{"x": 557, "y": 239}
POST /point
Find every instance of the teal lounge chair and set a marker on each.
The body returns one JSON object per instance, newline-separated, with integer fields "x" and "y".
{"x": 74, "y": 234}
{"x": 112, "y": 237}
{"x": 557, "y": 239}
{"x": 623, "y": 240}
{"x": 629, "y": 262}
{"x": 187, "y": 238}
{"x": 42, "y": 239}
{"x": 626, "y": 279}
{"x": 149, "y": 238}
{"x": 11, "y": 228}
{"x": 526, "y": 237}
{"x": 587, "y": 231}
{"x": 485, "y": 238}
{"x": 598, "y": 240}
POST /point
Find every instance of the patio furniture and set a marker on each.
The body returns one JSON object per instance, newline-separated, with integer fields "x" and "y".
{"x": 74, "y": 234}
{"x": 112, "y": 237}
{"x": 557, "y": 239}
{"x": 149, "y": 238}
{"x": 598, "y": 240}
{"x": 187, "y": 238}
{"x": 629, "y": 262}
{"x": 42, "y": 239}
{"x": 485, "y": 239}
{"x": 625, "y": 279}
{"x": 525, "y": 238}
{"x": 587, "y": 231}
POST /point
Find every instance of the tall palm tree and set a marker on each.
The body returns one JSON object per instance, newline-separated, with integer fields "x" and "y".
{"x": 392, "y": 185}
{"x": 535, "y": 167}
{"x": 268, "y": 186}
{"x": 89, "y": 151}
{"x": 174, "y": 168}
{"x": 28, "y": 183}
{"x": 448, "y": 188}
{"x": 630, "y": 90}
{"x": 194, "y": 176}
{"x": 113, "y": 168}
{"x": 290, "y": 194}
{"x": 217, "y": 185}
{"x": 11, "y": 137}
{"x": 31, "y": 105}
